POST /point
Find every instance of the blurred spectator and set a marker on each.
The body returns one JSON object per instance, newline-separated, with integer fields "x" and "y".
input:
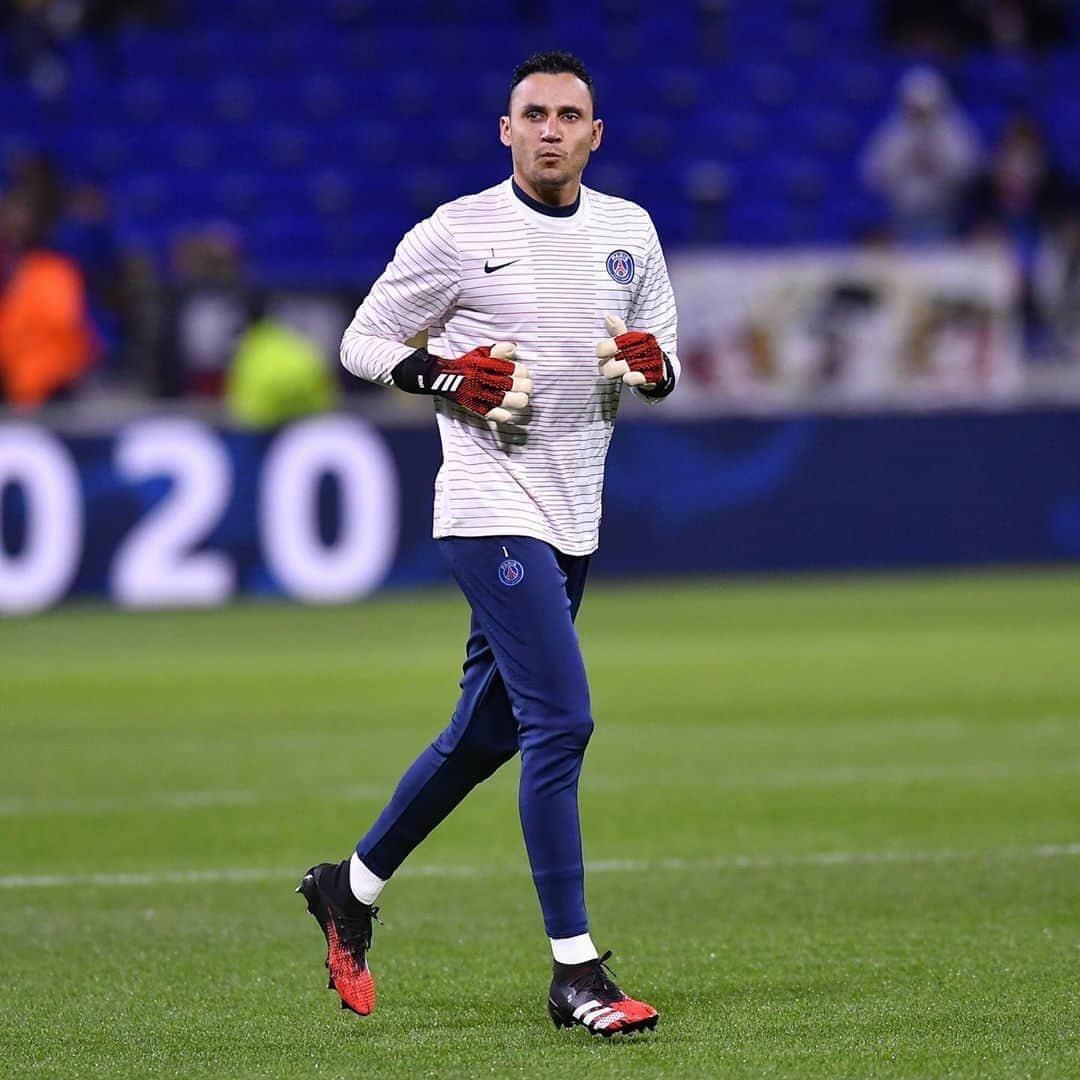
{"x": 1017, "y": 198}
{"x": 943, "y": 27}
{"x": 922, "y": 158}
{"x": 108, "y": 14}
{"x": 46, "y": 339}
{"x": 708, "y": 189}
{"x": 1016, "y": 25}
{"x": 138, "y": 298}
{"x": 36, "y": 182}
{"x": 1057, "y": 284}
{"x": 84, "y": 232}
{"x": 75, "y": 220}
{"x": 36, "y": 33}
{"x": 211, "y": 307}
{"x": 1021, "y": 190}
{"x": 276, "y": 376}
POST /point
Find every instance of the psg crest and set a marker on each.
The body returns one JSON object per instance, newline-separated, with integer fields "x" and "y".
{"x": 620, "y": 265}
{"x": 511, "y": 572}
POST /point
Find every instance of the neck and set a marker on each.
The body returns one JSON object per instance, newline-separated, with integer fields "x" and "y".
{"x": 559, "y": 209}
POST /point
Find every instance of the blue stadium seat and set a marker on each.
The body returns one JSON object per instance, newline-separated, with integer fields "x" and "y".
{"x": 756, "y": 223}
{"x": 618, "y": 177}
{"x": 241, "y": 195}
{"x": 680, "y": 87}
{"x": 996, "y": 79}
{"x": 733, "y": 132}
{"x": 323, "y": 129}
{"x": 1062, "y": 125}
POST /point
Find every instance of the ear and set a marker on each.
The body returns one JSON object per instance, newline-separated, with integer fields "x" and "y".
{"x": 504, "y": 130}
{"x": 597, "y": 133}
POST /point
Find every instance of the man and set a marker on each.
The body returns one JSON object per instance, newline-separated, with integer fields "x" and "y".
{"x": 922, "y": 157}
{"x": 47, "y": 340}
{"x": 532, "y": 265}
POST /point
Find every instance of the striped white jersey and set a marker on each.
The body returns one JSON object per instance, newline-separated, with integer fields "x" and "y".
{"x": 494, "y": 267}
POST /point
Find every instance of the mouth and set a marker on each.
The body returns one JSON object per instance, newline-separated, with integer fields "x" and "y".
{"x": 550, "y": 155}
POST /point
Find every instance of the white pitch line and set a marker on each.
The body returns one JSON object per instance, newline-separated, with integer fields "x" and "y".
{"x": 831, "y": 858}
{"x": 783, "y": 779}
{"x": 601, "y": 866}
{"x": 177, "y": 800}
{"x": 842, "y": 776}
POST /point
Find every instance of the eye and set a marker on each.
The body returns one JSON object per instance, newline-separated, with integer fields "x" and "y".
{"x": 533, "y": 114}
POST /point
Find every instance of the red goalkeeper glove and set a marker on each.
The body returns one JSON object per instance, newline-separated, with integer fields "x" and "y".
{"x": 633, "y": 356}
{"x": 485, "y": 381}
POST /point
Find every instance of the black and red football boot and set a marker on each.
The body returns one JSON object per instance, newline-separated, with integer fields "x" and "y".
{"x": 346, "y": 922}
{"x": 585, "y": 994}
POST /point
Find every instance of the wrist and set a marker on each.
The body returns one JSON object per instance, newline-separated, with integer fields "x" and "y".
{"x": 413, "y": 373}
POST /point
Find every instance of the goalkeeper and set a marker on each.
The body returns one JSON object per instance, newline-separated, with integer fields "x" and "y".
{"x": 527, "y": 290}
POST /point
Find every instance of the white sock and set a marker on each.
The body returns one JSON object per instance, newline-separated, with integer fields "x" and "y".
{"x": 364, "y": 884}
{"x": 573, "y": 950}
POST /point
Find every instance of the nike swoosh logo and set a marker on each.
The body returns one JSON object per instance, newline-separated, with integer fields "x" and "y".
{"x": 488, "y": 269}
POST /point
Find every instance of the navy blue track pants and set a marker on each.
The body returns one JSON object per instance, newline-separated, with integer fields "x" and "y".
{"x": 523, "y": 689}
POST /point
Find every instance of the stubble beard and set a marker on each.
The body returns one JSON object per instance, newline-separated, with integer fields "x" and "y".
{"x": 548, "y": 181}
{"x": 554, "y": 180}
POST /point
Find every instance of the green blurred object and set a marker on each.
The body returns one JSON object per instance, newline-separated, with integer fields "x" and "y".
{"x": 276, "y": 376}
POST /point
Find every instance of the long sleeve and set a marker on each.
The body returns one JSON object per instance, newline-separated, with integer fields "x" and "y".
{"x": 654, "y": 308}
{"x": 958, "y": 149}
{"x": 415, "y": 291}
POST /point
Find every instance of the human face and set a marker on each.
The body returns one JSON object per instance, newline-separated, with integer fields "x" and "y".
{"x": 551, "y": 133}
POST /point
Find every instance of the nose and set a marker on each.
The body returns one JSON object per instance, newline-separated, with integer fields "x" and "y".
{"x": 551, "y": 131}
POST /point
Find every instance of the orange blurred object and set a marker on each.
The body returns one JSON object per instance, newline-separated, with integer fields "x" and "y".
{"x": 46, "y": 340}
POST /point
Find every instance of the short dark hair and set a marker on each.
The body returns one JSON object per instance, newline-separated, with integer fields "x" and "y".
{"x": 555, "y": 62}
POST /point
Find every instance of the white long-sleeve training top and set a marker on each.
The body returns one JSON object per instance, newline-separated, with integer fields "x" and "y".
{"x": 498, "y": 266}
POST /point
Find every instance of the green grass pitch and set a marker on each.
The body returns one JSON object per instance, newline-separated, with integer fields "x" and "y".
{"x": 832, "y": 827}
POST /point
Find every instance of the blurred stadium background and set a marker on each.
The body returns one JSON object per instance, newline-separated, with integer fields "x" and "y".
{"x": 870, "y": 211}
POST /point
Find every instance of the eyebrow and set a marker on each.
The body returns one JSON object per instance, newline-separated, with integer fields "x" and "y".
{"x": 559, "y": 109}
